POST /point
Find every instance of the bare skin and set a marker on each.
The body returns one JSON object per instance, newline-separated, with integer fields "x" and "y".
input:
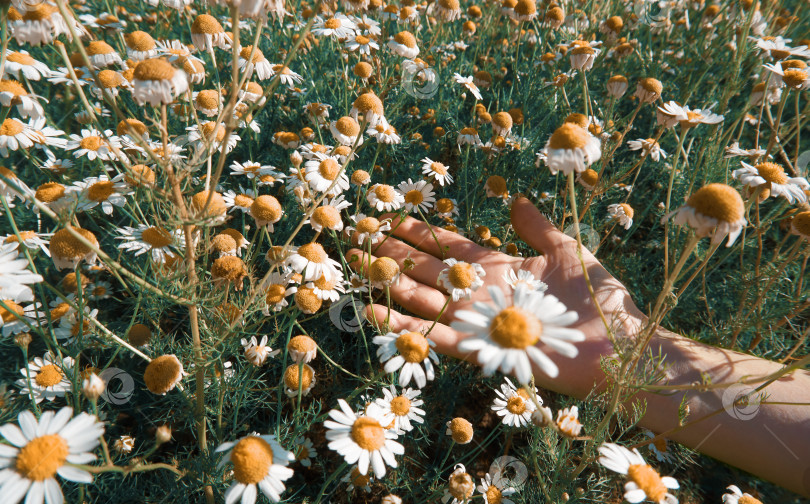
{"x": 773, "y": 444}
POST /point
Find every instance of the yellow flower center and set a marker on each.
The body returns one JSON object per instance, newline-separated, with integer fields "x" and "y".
{"x": 275, "y": 294}
{"x": 569, "y": 136}
{"x": 648, "y": 480}
{"x": 65, "y": 245}
{"x": 360, "y": 39}
{"x": 384, "y": 269}
{"x": 414, "y": 197}
{"x": 514, "y": 327}
{"x": 92, "y": 143}
{"x": 252, "y": 458}
{"x": 42, "y": 457}
{"x": 718, "y": 201}
{"x": 461, "y": 430}
{"x": 461, "y": 275}
{"x": 747, "y": 499}
{"x": 48, "y": 376}
{"x": 413, "y": 347}
{"x": 794, "y": 77}
{"x": 162, "y": 373}
{"x": 445, "y": 205}
{"x": 242, "y": 200}
{"x": 801, "y": 222}
{"x": 156, "y": 237}
{"x": 329, "y": 169}
{"x": 438, "y": 168}
{"x": 772, "y": 172}
{"x": 20, "y": 58}
{"x": 369, "y": 225}
{"x": 516, "y": 405}
{"x": 291, "y": 377}
{"x": 313, "y": 252}
{"x": 384, "y": 193}
{"x": 332, "y": 23}
{"x": 368, "y": 433}
{"x": 494, "y": 495}
{"x": 16, "y": 311}
{"x": 11, "y": 127}
{"x": 401, "y": 405}
{"x": 326, "y": 216}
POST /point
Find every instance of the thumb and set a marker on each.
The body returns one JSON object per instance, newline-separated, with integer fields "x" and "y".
{"x": 536, "y": 230}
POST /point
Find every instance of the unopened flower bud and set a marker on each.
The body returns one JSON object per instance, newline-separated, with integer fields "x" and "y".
{"x": 163, "y": 434}
{"x": 93, "y": 386}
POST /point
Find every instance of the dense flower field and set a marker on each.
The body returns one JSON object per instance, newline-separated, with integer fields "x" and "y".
{"x": 293, "y": 250}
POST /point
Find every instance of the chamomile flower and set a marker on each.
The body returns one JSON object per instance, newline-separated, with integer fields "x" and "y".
{"x": 157, "y": 82}
{"x": 239, "y": 201}
{"x": 404, "y": 44}
{"x": 468, "y": 83}
{"x": 346, "y": 131}
{"x": 252, "y": 59}
{"x": 286, "y": 76}
{"x": 74, "y": 327}
{"x": 251, "y": 169}
{"x": 771, "y": 177}
{"x": 436, "y": 171}
{"x": 659, "y": 447}
{"x": 339, "y": 27}
{"x": 157, "y": 241}
{"x": 648, "y": 147}
{"x": 302, "y": 348}
{"x": 326, "y": 176}
{"x": 447, "y": 208}
{"x": 505, "y": 334}
{"x": 622, "y": 213}
{"x": 41, "y": 450}
{"x": 20, "y": 62}
{"x": 15, "y": 318}
{"x": 793, "y": 74}
{"x": 384, "y": 133}
{"x": 689, "y": 118}
{"x": 645, "y": 482}
{"x": 384, "y": 198}
{"x": 256, "y": 352}
{"x": 67, "y": 251}
{"x": 299, "y": 376}
{"x": 403, "y": 406}
{"x": 461, "y": 278}
{"x": 523, "y": 277}
{"x": 94, "y": 145}
{"x": 418, "y": 195}
{"x": 312, "y": 262}
{"x": 571, "y": 148}
{"x": 259, "y": 463}
{"x": 496, "y": 489}
{"x": 568, "y": 421}
{"x": 101, "y": 190}
{"x": 30, "y": 240}
{"x": 46, "y": 377}
{"x": 407, "y": 351}
{"x": 276, "y": 292}
{"x": 304, "y": 451}
{"x": 715, "y": 210}
{"x": 362, "y": 45}
{"x": 736, "y": 496}
{"x": 513, "y": 405}
{"x": 327, "y": 290}
{"x": 362, "y": 438}
{"x": 99, "y": 290}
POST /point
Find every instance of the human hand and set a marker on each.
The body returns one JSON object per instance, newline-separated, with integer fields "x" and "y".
{"x": 558, "y": 266}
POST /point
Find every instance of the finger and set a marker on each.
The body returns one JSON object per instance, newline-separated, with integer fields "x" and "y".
{"x": 440, "y": 243}
{"x": 426, "y": 267}
{"x": 446, "y": 339}
{"x": 414, "y": 296}
{"x": 536, "y": 230}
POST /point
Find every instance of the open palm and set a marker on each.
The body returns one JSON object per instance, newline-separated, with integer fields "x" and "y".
{"x": 558, "y": 266}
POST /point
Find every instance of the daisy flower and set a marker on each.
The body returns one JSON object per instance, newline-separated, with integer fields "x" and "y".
{"x": 689, "y": 118}
{"x": 447, "y": 208}
{"x": 795, "y": 76}
{"x": 495, "y": 490}
{"x": 257, "y": 352}
{"x": 15, "y": 318}
{"x": 296, "y": 377}
{"x": 418, "y": 195}
{"x": 407, "y": 351}
{"x": 20, "y": 62}
{"x": 523, "y": 277}
{"x": 157, "y": 82}
{"x": 362, "y": 438}
{"x": 571, "y": 148}
{"x": 259, "y": 463}
{"x": 648, "y": 147}
{"x": 568, "y": 421}
{"x": 30, "y": 240}
{"x": 513, "y": 405}
{"x": 251, "y": 169}
{"x": 239, "y": 201}
{"x": 460, "y": 486}
{"x": 356, "y": 480}
{"x": 362, "y": 45}
{"x": 715, "y": 210}
{"x": 47, "y": 377}
{"x": 404, "y": 44}
{"x": 505, "y": 334}
{"x": 621, "y": 213}
{"x": 73, "y": 327}
{"x": 659, "y": 447}
{"x": 324, "y": 174}
{"x": 156, "y": 240}
{"x": 778, "y": 48}
{"x": 645, "y": 482}
{"x": 404, "y": 407}
{"x": 460, "y": 429}
{"x": 384, "y": 133}
{"x": 277, "y": 291}
{"x": 339, "y": 27}
{"x": 773, "y": 180}
{"x": 346, "y": 131}
{"x": 302, "y": 348}
{"x": 384, "y": 198}
{"x": 13, "y": 93}
{"x": 15, "y": 135}
{"x": 468, "y": 83}
{"x": 93, "y": 144}
{"x": 99, "y": 290}
{"x": 304, "y": 451}
{"x": 461, "y": 279}
{"x": 286, "y": 76}
{"x": 94, "y": 191}
{"x": 39, "y": 451}
{"x": 312, "y": 262}
{"x": 736, "y": 496}
{"x": 368, "y": 229}
{"x": 257, "y": 63}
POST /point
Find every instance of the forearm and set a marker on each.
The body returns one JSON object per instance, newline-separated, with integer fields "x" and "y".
{"x": 770, "y": 440}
